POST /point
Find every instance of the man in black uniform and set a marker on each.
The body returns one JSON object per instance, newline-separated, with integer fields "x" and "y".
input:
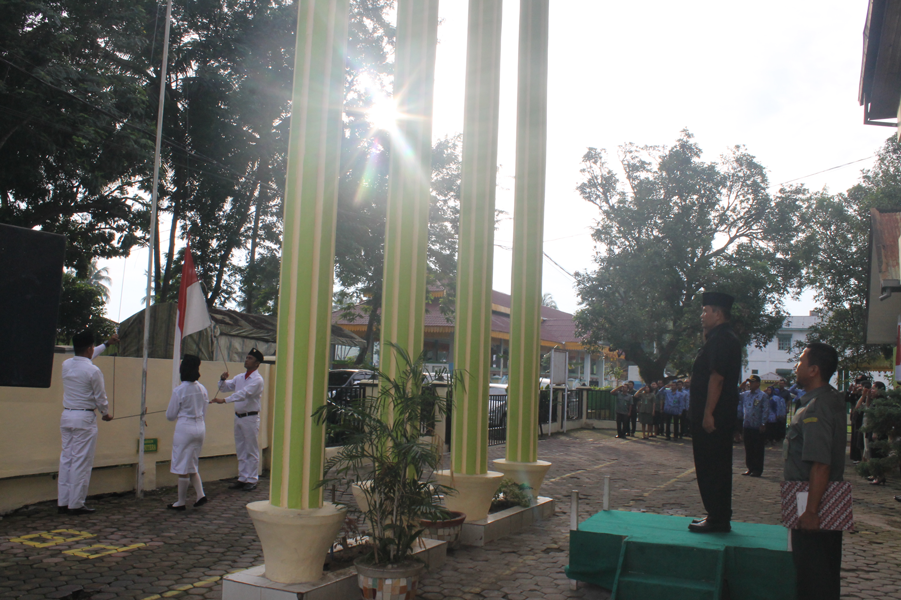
{"x": 713, "y": 405}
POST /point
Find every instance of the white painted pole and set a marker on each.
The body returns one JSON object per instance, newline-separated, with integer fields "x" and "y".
{"x": 139, "y": 483}
{"x": 574, "y": 511}
{"x": 606, "y": 492}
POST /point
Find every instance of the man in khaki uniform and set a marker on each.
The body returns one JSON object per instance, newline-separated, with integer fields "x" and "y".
{"x": 814, "y": 451}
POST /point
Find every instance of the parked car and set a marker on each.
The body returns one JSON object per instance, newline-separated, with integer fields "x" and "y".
{"x": 344, "y": 384}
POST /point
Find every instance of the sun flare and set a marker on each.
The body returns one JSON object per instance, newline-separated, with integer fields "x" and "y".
{"x": 383, "y": 114}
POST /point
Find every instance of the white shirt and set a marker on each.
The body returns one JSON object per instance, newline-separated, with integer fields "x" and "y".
{"x": 189, "y": 400}
{"x": 98, "y": 350}
{"x": 83, "y": 386}
{"x": 248, "y": 391}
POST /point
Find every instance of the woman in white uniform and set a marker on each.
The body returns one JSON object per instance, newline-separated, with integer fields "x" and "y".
{"x": 188, "y": 406}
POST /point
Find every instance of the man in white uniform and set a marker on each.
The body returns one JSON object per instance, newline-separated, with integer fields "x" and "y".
{"x": 248, "y": 395}
{"x": 83, "y": 393}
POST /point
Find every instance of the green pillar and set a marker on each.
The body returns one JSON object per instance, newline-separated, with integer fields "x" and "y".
{"x": 528, "y": 232}
{"x": 409, "y": 182}
{"x": 472, "y": 332}
{"x": 308, "y": 253}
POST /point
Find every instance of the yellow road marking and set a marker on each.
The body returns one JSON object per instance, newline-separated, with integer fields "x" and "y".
{"x": 55, "y": 540}
{"x": 83, "y": 552}
{"x": 182, "y": 589}
{"x": 663, "y": 485}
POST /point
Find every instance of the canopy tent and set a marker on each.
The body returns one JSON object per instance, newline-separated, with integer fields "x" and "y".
{"x": 236, "y": 333}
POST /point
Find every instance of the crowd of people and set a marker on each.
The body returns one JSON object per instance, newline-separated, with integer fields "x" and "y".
{"x": 660, "y": 408}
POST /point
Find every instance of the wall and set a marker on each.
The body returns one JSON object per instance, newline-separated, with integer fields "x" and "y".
{"x": 30, "y": 439}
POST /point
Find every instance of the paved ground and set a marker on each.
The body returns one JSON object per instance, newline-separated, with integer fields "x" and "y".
{"x": 138, "y": 549}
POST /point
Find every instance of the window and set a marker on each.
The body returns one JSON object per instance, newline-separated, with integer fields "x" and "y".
{"x": 753, "y": 371}
{"x": 785, "y": 341}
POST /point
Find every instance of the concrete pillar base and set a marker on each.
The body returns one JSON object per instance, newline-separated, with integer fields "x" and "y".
{"x": 474, "y": 492}
{"x": 294, "y": 541}
{"x": 529, "y": 473}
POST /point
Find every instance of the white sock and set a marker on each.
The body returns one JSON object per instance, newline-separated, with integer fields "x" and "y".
{"x": 198, "y": 485}
{"x": 182, "y": 491}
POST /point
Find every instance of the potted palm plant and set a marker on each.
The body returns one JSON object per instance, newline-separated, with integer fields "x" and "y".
{"x": 391, "y": 464}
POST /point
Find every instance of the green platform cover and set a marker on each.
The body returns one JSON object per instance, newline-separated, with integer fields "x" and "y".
{"x": 642, "y": 555}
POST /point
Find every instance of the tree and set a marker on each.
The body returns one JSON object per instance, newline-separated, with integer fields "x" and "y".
{"x": 359, "y": 259}
{"x": 100, "y": 279}
{"x": 836, "y": 242}
{"x": 548, "y": 300}
{"x": 81, "y": 307}
{"x": 74, "y": 123}
{"x": 678, "y": 226}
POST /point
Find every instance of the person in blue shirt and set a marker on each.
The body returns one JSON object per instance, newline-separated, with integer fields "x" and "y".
{"x": 672, "y": 409}
{"x": 754, "y": 411}
{"x": 686, "y": 417}
{"x": 796, "y": 392}
{"x": 775, "y": 425}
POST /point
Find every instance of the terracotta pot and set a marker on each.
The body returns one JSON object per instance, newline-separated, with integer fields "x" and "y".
{"x": 389, "y": 582}
{"x": 447, "y": 530}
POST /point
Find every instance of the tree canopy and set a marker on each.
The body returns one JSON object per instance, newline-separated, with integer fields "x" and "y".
{"x": 836, "y": 239}
{"x": 673, "y": 226}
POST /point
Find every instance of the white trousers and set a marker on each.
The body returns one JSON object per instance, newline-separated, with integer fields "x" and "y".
{"x": 247, "y": 446}
{"x": 78, "y": 429}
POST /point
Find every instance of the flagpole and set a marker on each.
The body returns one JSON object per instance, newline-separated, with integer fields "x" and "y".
{"x": 139, "y": 484}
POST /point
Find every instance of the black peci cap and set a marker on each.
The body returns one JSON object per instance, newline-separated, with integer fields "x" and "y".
{"x": 256, "y": 354}
{"x": 718, "y": 299}
{"x": 83, "y": 339}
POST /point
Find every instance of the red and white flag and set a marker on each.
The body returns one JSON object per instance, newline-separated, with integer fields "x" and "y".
{"x": 192, "y": 315}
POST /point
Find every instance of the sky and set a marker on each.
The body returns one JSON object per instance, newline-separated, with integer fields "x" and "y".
{"x": 780, "y": 78}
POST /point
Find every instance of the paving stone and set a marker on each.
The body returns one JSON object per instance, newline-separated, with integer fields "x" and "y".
{"x": 654, "y": 476}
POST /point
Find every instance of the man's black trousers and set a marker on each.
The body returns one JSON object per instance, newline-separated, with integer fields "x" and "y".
{"x": 622, "y": 425}
{"x": 675, "y": 420}
{"x": 713, "y": 466}
{"x": 686, "y": 424}
{"x": 818, "y": 563}
{"x": 755, "y": 442}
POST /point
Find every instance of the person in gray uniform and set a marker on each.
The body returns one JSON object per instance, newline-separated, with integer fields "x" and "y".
{"x": 814, "y": 451}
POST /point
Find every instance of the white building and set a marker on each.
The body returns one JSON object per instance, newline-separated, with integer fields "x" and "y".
{"x": 778, "y": 357}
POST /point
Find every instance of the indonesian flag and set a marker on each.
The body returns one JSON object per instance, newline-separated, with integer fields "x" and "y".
{"x": 192, "y": 315}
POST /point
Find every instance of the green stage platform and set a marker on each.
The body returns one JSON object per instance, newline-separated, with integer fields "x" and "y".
{"x": 647, "y": 556}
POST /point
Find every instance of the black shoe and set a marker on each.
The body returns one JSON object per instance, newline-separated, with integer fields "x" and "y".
{"x": 84, "y": 510}
{"x": 746, "y": 473}
{"x": 200, "y": 502}
{"x": 696, "y": 521}
{"x": 173, "y": 507}
{"x": 897, "y": 498}
{"x": 706, "y": 526}
{"x": 756, "y": 474}
{"x": 62, "y": 510}
{"x": 619, "y": 437}
{"x": 238, "y": 485}
{"x": 249, "y": 487}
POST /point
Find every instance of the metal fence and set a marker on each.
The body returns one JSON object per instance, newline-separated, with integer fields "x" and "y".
{"x": 497, "y": 420}
{"x": 574, "y": 406}
{"x": 601, "y": 405}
